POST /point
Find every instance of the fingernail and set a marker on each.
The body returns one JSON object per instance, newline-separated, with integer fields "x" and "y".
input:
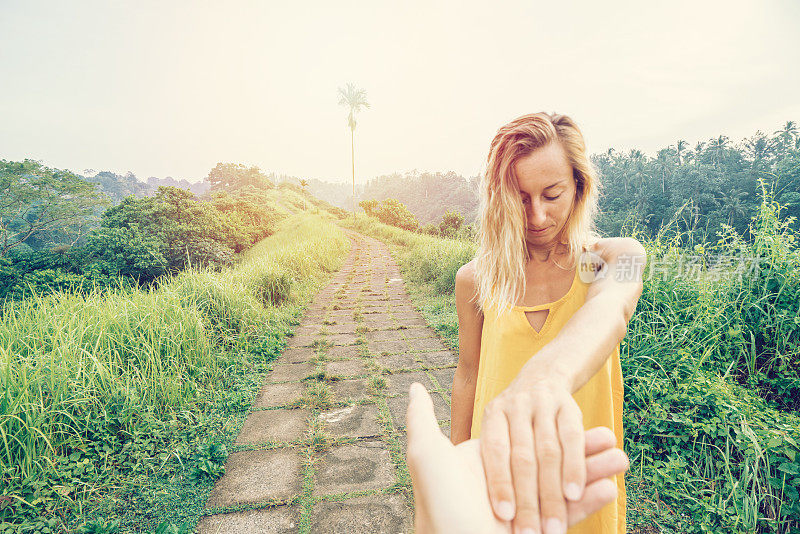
{"x": 554, "y": 526}
{"x": 528, "y": 530}
{"x": 572, "y": 491}
{"x": 506, "y": 510}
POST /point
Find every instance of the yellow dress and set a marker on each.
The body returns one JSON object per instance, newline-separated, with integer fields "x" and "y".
{"x": 508, "y": 341}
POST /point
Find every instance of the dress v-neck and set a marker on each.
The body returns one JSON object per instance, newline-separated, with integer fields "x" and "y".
{"x": 547, "y": 306}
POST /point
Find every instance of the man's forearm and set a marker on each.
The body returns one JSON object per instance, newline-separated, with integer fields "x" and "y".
{"x": 462, "y": 401}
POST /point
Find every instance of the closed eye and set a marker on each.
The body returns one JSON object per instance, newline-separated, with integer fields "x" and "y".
{"x": 553, "y": 198}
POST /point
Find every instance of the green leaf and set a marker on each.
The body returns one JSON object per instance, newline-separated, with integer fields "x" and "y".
{"x": 789, "y": 468}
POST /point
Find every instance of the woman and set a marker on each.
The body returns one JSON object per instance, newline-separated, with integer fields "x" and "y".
{"x": 542, "y": 308}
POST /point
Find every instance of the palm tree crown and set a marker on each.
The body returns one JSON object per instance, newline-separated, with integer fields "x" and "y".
{"x": 355, "y": 99}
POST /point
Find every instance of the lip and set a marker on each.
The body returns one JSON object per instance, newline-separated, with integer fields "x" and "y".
{"x": 538, "y": 231}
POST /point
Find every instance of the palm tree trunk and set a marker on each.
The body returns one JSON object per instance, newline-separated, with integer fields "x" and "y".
{"x": 353, "y": 159}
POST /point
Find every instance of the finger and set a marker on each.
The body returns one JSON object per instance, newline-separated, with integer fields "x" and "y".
{"x": 596, "y": 495}
{"x": 606, "y": 464}
{"x": 598, "y": 439}
{"x": 524, "y": 470}
{"x": 571, "y": 434}
{"x": 552, "y": 504}
{"x": 495, "y": 453}
{"x": 420, "y": 417}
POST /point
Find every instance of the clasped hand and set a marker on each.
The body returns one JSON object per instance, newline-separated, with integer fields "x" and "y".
{"x": 450, "y": 482}
{"x": 533, "y": 450}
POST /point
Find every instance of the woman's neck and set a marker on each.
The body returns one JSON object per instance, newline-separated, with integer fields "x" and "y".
{"x": 550, "y": 253}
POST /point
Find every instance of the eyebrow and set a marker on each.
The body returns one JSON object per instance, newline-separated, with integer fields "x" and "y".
{"x": 555, "y": 184}
{"x": 548, "y": 187}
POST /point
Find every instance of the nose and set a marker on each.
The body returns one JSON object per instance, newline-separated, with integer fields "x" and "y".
{"x": 536, "y": 214}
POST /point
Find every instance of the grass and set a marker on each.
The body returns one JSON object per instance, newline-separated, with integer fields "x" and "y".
{"x": 104, "y": 395}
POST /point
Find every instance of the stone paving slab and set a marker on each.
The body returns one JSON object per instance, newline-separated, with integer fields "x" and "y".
{"x": 276, "y": 520}
{"x": 425, "y": 344}
{"x": 440, "y": 358}
{"x": 342, "y": 327}
{"x": 290, "y": 372}
{"x": 346, "y": 367}
{"x": 398, "y": 384}
{"x": 395, "y": 362}
{"x": 272, "y": 395}
{"x": 302, "y": 340}
{"x": 358, "y": 466}
{"x": 381, "y": 336}
{"x": 253, "y": 477}
{"x": 356, "y": 421}
{"x": 273, "y": 425}
{"x": 362, "y": 328}
{"x": 296, "y": 355}
{"x": 349, "y": 390}
{"x": 388, "y": 347}
{"x": 344, "y": 352}
{"x": 369, "y": 514}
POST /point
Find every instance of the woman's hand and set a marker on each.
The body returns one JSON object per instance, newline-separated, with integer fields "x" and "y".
{"x": 449, "y": 483}
{"x": 532, "y": 446}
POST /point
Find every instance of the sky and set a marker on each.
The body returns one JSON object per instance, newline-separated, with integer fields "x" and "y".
{"x": 171, "y": 88}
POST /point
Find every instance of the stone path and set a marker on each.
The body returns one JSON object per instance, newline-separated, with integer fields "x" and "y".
{"x": 323, "y": 447}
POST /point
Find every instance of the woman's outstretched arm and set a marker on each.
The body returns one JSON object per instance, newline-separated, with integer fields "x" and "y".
{"x": 581, "y": 347}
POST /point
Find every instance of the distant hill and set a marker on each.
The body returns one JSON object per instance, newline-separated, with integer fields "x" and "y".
{"x": 427, "y": 195}
{"x": 339, "y": 194}
{"x": 119, "y": 186}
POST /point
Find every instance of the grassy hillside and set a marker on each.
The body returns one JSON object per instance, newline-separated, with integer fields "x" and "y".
{"x": 710, "y": 365}
{"x": 117, "y": 408}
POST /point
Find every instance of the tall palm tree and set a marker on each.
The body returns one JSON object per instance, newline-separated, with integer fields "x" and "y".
{"x": 663, "y": 163}
{"x": 355, "y": 99}
{"x": 699, "y": 148}
{"x": 680, "y": 147}
{"x": 786, "y": 135}
{"x": 718, "y": 147}
{"x": 733, "y": 205}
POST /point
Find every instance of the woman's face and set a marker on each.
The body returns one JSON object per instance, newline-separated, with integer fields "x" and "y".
{"x": 548, "y": 192}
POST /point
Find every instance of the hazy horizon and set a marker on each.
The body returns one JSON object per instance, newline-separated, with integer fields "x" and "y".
{"x": 169, "y": 90}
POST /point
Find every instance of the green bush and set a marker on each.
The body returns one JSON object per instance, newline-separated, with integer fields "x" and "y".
{"x": 451, "y": 223}
{"x": 272, "y": 288}
{"x": 394, "y": 213}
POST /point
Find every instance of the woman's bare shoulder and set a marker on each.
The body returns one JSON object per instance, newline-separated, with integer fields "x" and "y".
{"x": 466, "y": 283}
{"x": 465, "y": 276}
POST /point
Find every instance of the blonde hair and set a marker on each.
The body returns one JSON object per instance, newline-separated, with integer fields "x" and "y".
{"x": 502, "y": 255}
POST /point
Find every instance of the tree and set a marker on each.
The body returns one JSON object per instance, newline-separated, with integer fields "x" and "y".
{"x": 36, "y": 199}
{"x": 679, "y": 149}
{"x": 370, "y": 207}
{"x": 718, "y": 148}
{"x": 355, "y": 99}
{"x": 785, "y": 136}
{"x": 395, "y": 213}
{"x": 451, "y": 223}
{"x": 303, "y": 185}
{"x": 189, "y": 231}
{"x": 732, "y": 205}
{"x": 231, "y": 176}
